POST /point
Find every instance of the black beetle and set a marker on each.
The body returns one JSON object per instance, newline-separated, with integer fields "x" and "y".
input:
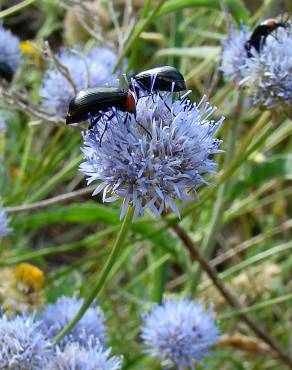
{"x": 164, "y": 78}
{"x": 260, "y": 33}
{"x": 6, "y": 72}
{"x": 97, "y": 100}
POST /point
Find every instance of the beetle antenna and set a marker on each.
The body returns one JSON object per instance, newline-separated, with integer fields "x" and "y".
{"x": 105, "y": 128}
{"x": 166, "y": 105}
{"x": 93, "y": 120}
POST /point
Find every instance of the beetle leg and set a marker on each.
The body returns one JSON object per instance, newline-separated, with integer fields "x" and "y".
{"x": 167, "y": 106}
{"x": 126, "y": 117}
{"x": 93, "y": 121}
{"x": 105, "y": 128}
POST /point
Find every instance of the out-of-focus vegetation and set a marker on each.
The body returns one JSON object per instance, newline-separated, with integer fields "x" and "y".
{"x": 241, "y": 223}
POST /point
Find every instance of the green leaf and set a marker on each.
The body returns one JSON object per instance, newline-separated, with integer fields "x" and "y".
{"x": 199, "y": 52}
{"x": 88, "y": 212}
{"x": 16, "y": 8}
{"x": 258, "y": 306}
{"x": 235, "y": 7}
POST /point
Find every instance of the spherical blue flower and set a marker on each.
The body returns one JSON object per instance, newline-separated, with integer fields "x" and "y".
{"x": 56, "y": 316}
{"x": 22, "y": 345}
{"x": 269, "y": 73}
{"x": 179, "y": 332}
{"x": 86, "y": 70}
{"x": 153, "y": 159}
{"x": 10, "y": 51}
{"x": 76, "y": 357}
{"x": 101, "y": 63}
{"x": 4, "y": 228}
{"x": 234, "y": 54}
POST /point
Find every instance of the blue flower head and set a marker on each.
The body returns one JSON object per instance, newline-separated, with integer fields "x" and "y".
{"x": 234, "y": 54}
{"x": 179, "y": 332}
{"x": 56, "y": 316}
{"x": 269, "y": 73}
{"x": 22, "y": 345}
{"x": 152, "y": 159}
{"x": 76, "y": 357}
{"x": 10, "y": 53}
{"x": 91, "y": 69}
{"x": 4, "y": 228}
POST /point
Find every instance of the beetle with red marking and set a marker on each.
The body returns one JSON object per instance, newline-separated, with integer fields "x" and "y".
{"x": 261, "y": 32}
{"x": 96, "y": 101}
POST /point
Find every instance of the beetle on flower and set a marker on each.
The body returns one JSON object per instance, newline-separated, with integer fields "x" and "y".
{"x": 152, "y": 171}
{"x": 269, "y": 73}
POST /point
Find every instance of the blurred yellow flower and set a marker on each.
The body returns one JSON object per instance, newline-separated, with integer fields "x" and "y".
{"x": 31, "y": 276}
{"x": 31, "y": 52}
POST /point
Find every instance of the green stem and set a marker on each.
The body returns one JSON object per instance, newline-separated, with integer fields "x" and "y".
{"x": 141, "y": 25}
{"x": 264, "y": 118}
{"x": 15, "y": 8}
{"x": 103, "y": 275}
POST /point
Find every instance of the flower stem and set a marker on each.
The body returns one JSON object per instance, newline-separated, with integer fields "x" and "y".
{"x": 103, "y": 275}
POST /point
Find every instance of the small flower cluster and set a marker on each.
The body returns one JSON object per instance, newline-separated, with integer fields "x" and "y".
{"x": 4, "y": 228}
{"x": 56, "y": 316}
{"x": 76, "y": 357}
{"x": 154, "y": 157}
{"x": 179, "y": 332}
{"x": 26, "y": 342}
{"x": 266, "y": 74}
{"x": 10, "y": 56}
{"x": 84, "y": 70}
{"x": 22, "y": 345}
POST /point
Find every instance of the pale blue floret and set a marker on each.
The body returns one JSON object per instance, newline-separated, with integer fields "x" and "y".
{"x": 234, "y": 54}
{"x": 22, "y": 345}
{"x": 91, "y": 69}
{"x": 101, "y": 63}
{"x": 152, "y": 171}
{"x": 4, "y": 223}
{"x": 10, "y": 52}
{"x": 179, "y": 332}
{"x": 269, "y": 73}
{"x": 76, "y": 357}
{"x": 57, "y": 315}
